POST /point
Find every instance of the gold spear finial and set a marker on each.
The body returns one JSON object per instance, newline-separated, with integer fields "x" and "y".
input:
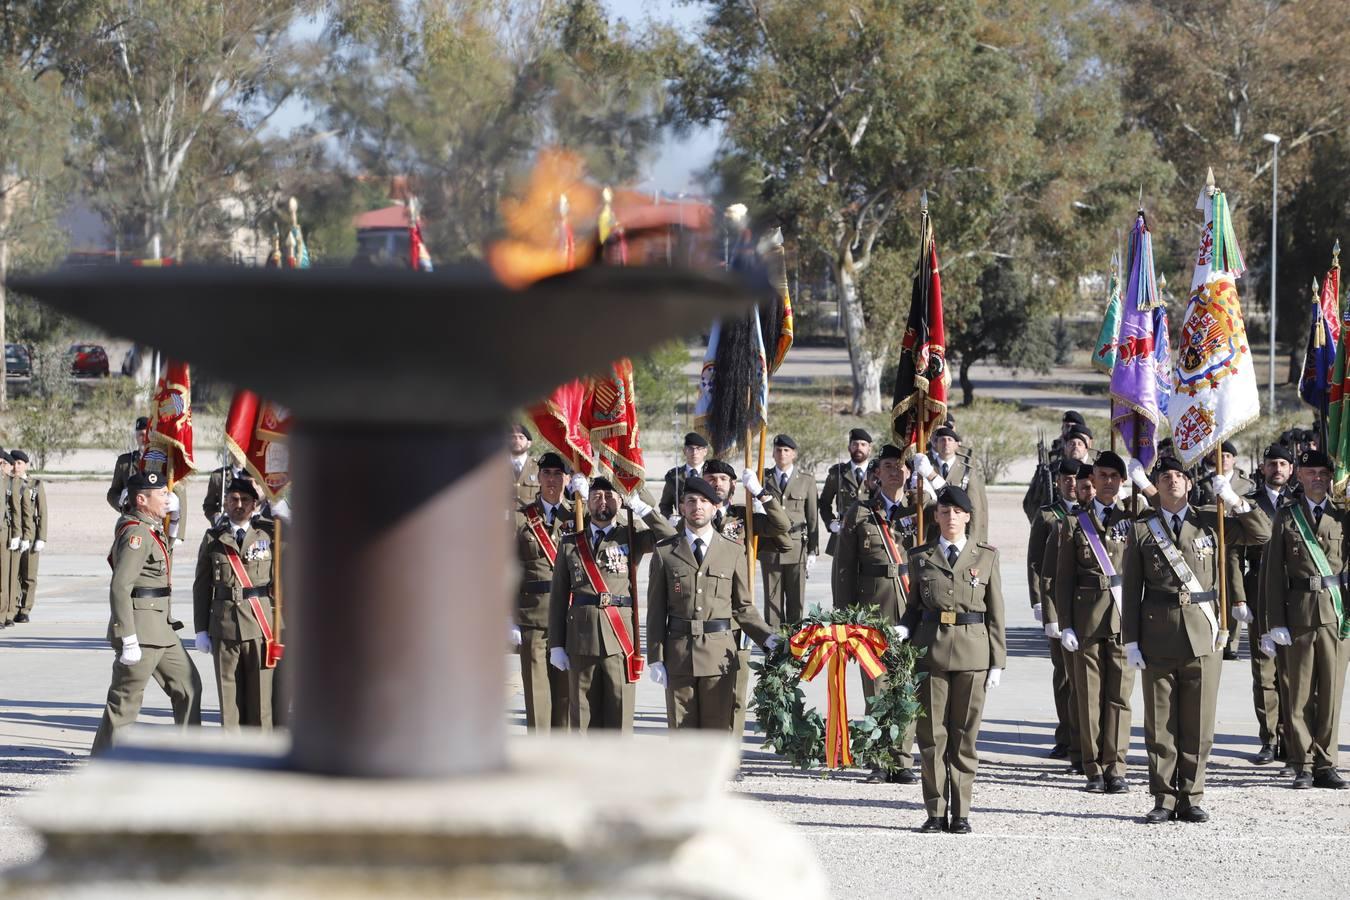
{"x": 1209, "y": 183}
{"x": 1336, "y": 254}
{"x": 923, "y": 202}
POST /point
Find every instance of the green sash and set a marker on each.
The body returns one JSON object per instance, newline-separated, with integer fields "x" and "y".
{"x": 1319, "y": 559}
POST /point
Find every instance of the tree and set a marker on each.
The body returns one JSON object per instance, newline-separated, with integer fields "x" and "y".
{"x": 1007, "y": 325}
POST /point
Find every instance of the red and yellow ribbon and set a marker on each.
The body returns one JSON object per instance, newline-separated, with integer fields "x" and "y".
{"x": 836, "y": 645}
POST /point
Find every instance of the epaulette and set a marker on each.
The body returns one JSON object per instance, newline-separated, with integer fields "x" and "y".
{"x": 664, "y": 542}
{"x": 568, "y": 538}
{"x": 264, "y": 524}
{"x": 986, "y": 546}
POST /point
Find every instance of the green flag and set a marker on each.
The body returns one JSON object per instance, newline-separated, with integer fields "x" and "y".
{"x": 1104, "y": 353}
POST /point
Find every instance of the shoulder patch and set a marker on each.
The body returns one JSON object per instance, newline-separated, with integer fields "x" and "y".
{"x": 134, "y": 542}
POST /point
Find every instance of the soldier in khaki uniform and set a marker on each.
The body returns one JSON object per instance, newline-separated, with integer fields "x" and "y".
{"x": 142, "y": 629}
{"x": 871, "y": 568}
{"x": 1268, "y": 700}
{"x": 1302, "y": 578}
{"x": 950, "y": 464}
{"x": 540, "y": 528}
{"x": 845, "y": 485}
{"x": 128, "y": 464}
{"x": 955, "y": 614}
{"x": 695, "y": 456}
{"x": 213, "y": 504}
{"x": 785, "y": 574}
{"x": 1087, "y": 595}
{"x": 1041, "y": 557}
{"x": 10, "y": 541}
{"x": 525, "y": 471}
{"x": 698, "y": 595}
{"x": 1171, "y": 631}
{"x": 1203, "y": 495}
{"x": 582, "y": 638}
{"x": 35, "y": 529}
{"x": 227, "y": 623}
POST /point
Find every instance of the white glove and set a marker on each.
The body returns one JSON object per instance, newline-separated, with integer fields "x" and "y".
{"x": 1281, "y": 636}
{"x": 580, "y": 486}
{"x": 131, "y": 651}
{"x": 39, "y": 546}
{"x": 203, "y": 642}
{"x": 1133, "y": 657}
{"x": 557, "y": 658}
{"x": 14, "y": 544}
{"x": 178, "y": 542}
{"x": 836, "y": 526}
{"x": 923, "y": 465}
{"x": 1068, "y": 640}
{"x": 1243, "y": 613}
{"x": 1267, "y": 646}
{"x": 1036, "y": 612}
{"x": 993, "y": 678}
{"x": 23, "y": 546}
{"x": 639, "y": 507}
{"x": 657, "y": 673}
{"x": 1052, "y": 630}
{"x": 1221, "y": 639}
{"x": 901, "y": 633}
{"x": 771, "y": 642}
{"x": 282, "y": 509}
{"x": 758, "y": 506}
{"x": 514, "y": 635}
{"x": 751, "y": 482}
{"x": 173, "y": 502}
{"x": 1138, "y": 474}
{"x": 674, "y": 520}
{"x": 810, "y": 564}
{"x": 1223, "y": 488}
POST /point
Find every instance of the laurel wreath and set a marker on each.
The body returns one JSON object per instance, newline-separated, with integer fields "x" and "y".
{"x": 798, "y": 734}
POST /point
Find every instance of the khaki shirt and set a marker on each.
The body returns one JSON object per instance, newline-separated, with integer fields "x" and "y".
{"x": 1044, "y": 527}
{"x": 1291, "y": 602}
{"x": 35, "y": 509}
{"x": 799, "y": 502}
{"x": 536, "y": 572}
{"x": 842, "y": 489}
{"x": 525, "y": 486}
{"x": 771, "y": 526}
{"x": 967, "y": 475}
{"x": 139, "y": 561}
{"x": 972, "y": 585}
{"x": 1082, "y": 590}
{"x": 218, "y": 603}
{"x": 862, "y": 554}
{"x": 122, "y": 469}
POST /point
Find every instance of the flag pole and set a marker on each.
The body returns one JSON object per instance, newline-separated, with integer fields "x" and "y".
{"x": 750, "y": 525}
{"x": 1220, "y": 556}
{"x": 276, "y": 578}
{"x": 921, "y": 410}
{"x": 752, "y": 538}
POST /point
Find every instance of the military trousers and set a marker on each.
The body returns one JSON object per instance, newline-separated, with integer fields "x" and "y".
{"x": 171, "y": 669}
{"x": 954, "y": 702}
{"x": 245, "y": 685}
{"x": 15, "y": 583}
{"x": 545, "y": 687}
{"x": 599, "y": 695}
{"x": 8, "y": 602}
{"x": 1180, "y": 701}
{"x": 1102, "y": 684}
{"x": 1066, "y": 703}
{"x": 742, "y": 689}
{"x": 1268, "y": 695}
{"x": 28, "y": 572}
{"x": 702, "y": 701}
{"x": 904, "y": 753}
{"x": 1314, "y": 674}
{"x": 784, "y": 592}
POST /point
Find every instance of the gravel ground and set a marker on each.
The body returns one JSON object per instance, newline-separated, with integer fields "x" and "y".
{"x": 1035, "y": 830}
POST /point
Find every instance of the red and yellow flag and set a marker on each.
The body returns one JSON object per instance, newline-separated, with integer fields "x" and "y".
{"x": 171, "y": 424}
{"x": 256, "y": 431}
{"x": 836, "y": 645}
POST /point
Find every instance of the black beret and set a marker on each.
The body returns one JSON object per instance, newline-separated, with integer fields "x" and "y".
{"x": 1074, "y": 416}
{"x": 890, "y": 451}
{"x": 859, "y": 434}
{"x": 1067, "y": 467}
{"x": 951, "y": 495}
{"x": 1315, "y": 459}
{"x": 1279, "y": 451}
{"x": 947, "y": 431}
{"x": 142, "y": 423}
{"x": 1109, "y": 459}
{"x": 719, "y": 467}
{"x": 1229, "y": 447}
{"x": 1169, "y": 464}
{"x": 243, "y": 486}
{"x": 1079, "y": 433}
{"x": 694, "y": 439}
{"x": 6, "y": 457}
{"x": 18, "y": 456}
{"x": 696, "y": 485}
{"x": 601, "y": 484}
{"x": 784, "y": 440}
{"x": 145, "y": 481}
{"x": 551, "y": 460}
{"x": 521, "y": 429}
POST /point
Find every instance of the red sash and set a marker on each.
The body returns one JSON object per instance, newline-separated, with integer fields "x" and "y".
{"x": 273, "y": 649}
{"x": 536, "y": 523}
{"x": 632, "y": 661}
{"x": 892, "y": 551}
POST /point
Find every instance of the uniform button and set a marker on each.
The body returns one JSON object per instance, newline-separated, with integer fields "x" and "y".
{"x": 949, "y": 590}
{"x": 698, "y": 609}
{"x": 700, "y": 590}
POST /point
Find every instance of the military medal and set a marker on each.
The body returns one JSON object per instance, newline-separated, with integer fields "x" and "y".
{"x": 614, "y": 559}
{"x": 974, "y": 577}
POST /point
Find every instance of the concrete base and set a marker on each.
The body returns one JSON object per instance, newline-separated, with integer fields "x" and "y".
{"x": 580, "y": 817}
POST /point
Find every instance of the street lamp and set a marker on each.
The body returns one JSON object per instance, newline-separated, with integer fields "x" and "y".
{"x": 1274, "y": 139}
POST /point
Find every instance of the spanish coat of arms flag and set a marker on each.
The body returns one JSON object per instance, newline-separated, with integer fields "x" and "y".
{"x": 171, "y": 425}
{"x": 255, "y": 433}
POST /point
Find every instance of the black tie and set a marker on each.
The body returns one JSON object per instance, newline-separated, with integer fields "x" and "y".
{"x": 599, "y": 539}
{"x": 1106, "y": 513}
{"x": 692, "y": 473}
{"x": 1176, "y": 525}
{"x": 1317, "y": 515}
{"x": 239, "y": 537}
{"x": 945, "y": 469}
{"x": 717, "y": 522}
{"x": 858, "y": 475}
{"x": 782, "y": 484}
{"x": 952, "y": 554}
{"x": 698, "y": 550}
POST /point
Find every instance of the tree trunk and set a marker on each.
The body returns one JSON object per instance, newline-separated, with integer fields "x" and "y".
{"x": 967, "y": 386}
{"x": 6, "y": 207}
{"x": 866, "y": 367}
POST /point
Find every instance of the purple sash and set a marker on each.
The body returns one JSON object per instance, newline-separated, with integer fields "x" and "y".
{"x": 1095, "y": 542}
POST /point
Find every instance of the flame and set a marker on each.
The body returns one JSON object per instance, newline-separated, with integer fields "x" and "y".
{"x": 540, "y": 222}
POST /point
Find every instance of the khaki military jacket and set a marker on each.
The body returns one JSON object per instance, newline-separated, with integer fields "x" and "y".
{"x": 14, "y": 512}
{"x": 842, "y": 489}
{"x": 139, "y": 561}
{"x": 1251, "y": 561}
{"x": 525, "y": 486}
{"x": 670, "y": 490}
{"x": 1203, "y": 492}
{"x": 799, "y": 502}
{"x": 536, "y": 572}
{"x": 1082, "y": 590}
{"x": 972, "y": 585}
{"x": 862, "y": 574}
{"x": 771, "y": 526}
{"x": 219, "y": 606}
{"x": 585, "y": 630}
{"x": 35, "y": 509}
{"x": 678, "y": 588}
{"x": 213, "y": 505}
{"x": 1287, "y": 569}
{"x": 1039, "y": 581}
{"x": 122, "y": 469}
{"x": 1154, "y": 617}
{"x": 967, "y": 475}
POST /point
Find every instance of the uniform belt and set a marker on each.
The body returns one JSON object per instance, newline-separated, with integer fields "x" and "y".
{"x": 536, "y": 587}
{"x": 1318, "y": 582}
{"x": 258, "y": 590}
{"x": 951, "y": 617}
{"x": 1101, "y": 582}
{"x": 1183, "y": 598}
{"x": 601, "y": 600}
{"x": 141, "y": 593}
{"x": 876, "y": 570}
{"x": 695, "y": 627}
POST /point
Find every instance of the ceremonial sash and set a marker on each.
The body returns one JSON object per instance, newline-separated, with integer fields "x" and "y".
{"x": 536, "y": 523}
{"x": 892, "y": 551}
{"x": 1181, "y": 570}
{"x": 1095, "y": 542}
{"x": 273, "y": 650}
{"x": 632, "y": 662}
{"x": 1060, "y": 513}
{"x": 1319, "y": 559}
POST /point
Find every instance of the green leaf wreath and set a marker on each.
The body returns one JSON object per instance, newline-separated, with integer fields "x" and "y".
{"x": 798, "y": 734}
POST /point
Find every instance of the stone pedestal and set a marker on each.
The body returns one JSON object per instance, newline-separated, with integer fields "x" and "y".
{"x": 598, "y": 816}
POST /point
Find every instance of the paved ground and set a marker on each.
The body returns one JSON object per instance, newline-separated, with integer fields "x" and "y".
{"x": 1036, "y": 833}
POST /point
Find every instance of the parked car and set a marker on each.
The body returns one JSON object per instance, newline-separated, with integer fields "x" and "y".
{"x": 88, "y": 361}
{"x": 17, "y": 363}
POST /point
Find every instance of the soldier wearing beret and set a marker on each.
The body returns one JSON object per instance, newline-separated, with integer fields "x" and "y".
{"x": 1304, "y": 574}
{"x": 845, "y": 485}
{"x": 785, "y": 574}
{"x": 525, "y": 471}
{"x": 540, "y": 527}
{"x": 955, "y": 614}
{"x": 142, "y": 629}
{"x": 214, "y": 504}
{"x": 127, "y": 463}
{"x": 590, "y": 628}
{"x": 1204, "y": 495}
{"x": 698, "y": 597}
{"x": 950, "y": 464}
{"x": 1074, "y": 443}
{"x": 695, "y": 453}
{"x": 1172, "y": 633}
{"x": 34, "y": 534}
{"x": 232, "y": 608}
